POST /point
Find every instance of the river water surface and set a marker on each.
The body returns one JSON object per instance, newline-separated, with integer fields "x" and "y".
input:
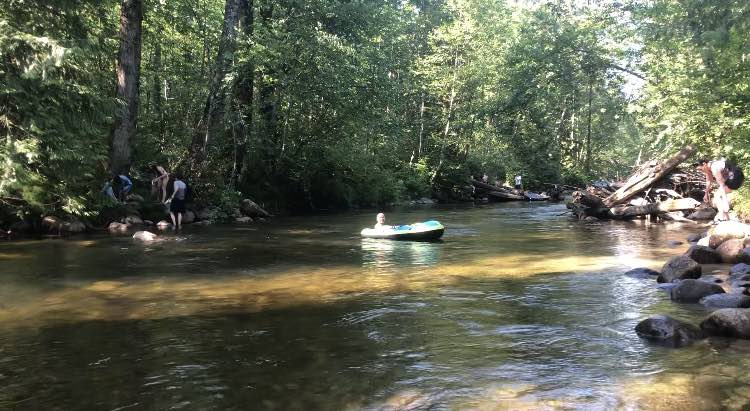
{"x": 517, "y": 308}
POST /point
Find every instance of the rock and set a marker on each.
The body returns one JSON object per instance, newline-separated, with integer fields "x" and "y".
{"x": 727, "y": 230}
{"x": 148, "y": 222}
{"x": 133, "y": 220}
{"x": 425, "y": 200}
{"x": 236, "y": 213}
{"x": 733, "y": 300}
{"x": 744, "y": 254}
{"x": 703, "y": 255}
{"x": 144, "y": 236}
{"x": 135, "y": 197}
{"x": 243, "y": 220}
{"x": 203, "y": 214}
{"x": 74, "y": 226}
{"x": 692, "y": 238}
{"x": 666, "y": 287}
{"x": 730, "y": 250}
{"x": 704, "y": 242}
{"x": 668, "y": 331}
{"x": 703, "y": 213}
{"x": 115, "y": 227}
{"x": 52, "y": 223}
{"x": 739, "y": 269}
{"x": 691, "y": 291}
{"x": 678, "y": 268}
{"x": 673, "y": 243}
{"x": 641, "y": 272}
{"x": 163, "y": 225}
{"x": 250, "y": 209}
{"x": 728, "y": 322}
{"x": 188, "y": 217}
{"x": 133, "y": 209}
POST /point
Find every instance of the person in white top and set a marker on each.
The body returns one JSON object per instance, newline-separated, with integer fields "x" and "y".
{"x": 727, "y": 176}
{"x": 517, "y": 182}
{"x": 177, "y": 201}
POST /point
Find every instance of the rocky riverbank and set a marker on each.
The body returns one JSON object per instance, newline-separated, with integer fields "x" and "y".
{"x": 724, "y": 293}
{"x": 134, "y": 215}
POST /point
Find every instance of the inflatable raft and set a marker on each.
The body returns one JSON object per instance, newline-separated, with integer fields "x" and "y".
{"x": 428, "y": 230}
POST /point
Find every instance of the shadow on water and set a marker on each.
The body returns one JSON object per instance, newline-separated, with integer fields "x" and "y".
{"x": 518, "y": 308}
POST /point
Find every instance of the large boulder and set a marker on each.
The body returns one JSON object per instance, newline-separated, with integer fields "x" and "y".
{"x": 703, "y": 255}
{"x": 679, "y": 268}
{"x": 133, "y": 220}
{"x": 728, "y": 322}
{"x": 703, "y": 213}
{"x": 146, "y": 236}
{"x": 726, "y": 300}
{"x": 641, "y": 272}
{"x": 691, "y": 291}
{"x": 727, "y": 230}
{"x": 115, "y": 227}
{"x": 250, "y": 209}
{"x": 744, "y": 254}
{"x": 188, "y": 217}
{"x": 57, "y": 224}
{"x": 667, "y": 331}
{"x": 730, "y": 250}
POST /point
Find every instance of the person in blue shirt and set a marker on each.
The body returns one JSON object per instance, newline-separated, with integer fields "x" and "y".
{"x": 118, "y": 188}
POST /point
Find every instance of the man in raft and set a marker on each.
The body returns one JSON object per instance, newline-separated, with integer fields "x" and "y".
{"x": 380, "y": 225}
{"x": 728, "y": 176}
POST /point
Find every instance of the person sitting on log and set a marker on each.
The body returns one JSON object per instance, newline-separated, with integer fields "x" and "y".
{"x": 728, "y": 176}
{"x": 380, "y": 225}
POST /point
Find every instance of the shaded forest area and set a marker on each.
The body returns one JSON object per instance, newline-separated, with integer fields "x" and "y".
{"x": 308, "y": 104}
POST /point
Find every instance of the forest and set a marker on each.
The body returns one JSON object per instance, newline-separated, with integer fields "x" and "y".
{"x": 331, "y": 104}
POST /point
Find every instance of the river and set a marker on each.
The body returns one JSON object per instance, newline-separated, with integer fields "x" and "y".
{"x": 519, "y": 307}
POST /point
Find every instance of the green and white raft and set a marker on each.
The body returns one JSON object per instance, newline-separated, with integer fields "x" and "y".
{"x": 428, "y": 230}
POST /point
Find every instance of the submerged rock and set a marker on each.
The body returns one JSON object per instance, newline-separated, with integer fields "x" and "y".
{"x": 679, "y": 268}
{"x": 641, "y": 272}
{"x": 728, "y": 322}
{"x": 739, "y": 269}
{"x": 703, "y": 255}
{"x": 667, "y": 331}
{"x": 144, "y": 236}
{"x": 163, "y": 225}
{"x": 733, "y": 300}
{"x": 691, "y": 291}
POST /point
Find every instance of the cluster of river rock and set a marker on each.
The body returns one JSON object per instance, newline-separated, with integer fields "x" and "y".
{"x": 726, "y": 295}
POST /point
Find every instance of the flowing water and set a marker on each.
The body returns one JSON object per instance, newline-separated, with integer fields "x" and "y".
{"x": 517, "y": 308}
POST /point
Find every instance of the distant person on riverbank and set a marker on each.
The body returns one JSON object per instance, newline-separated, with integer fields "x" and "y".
{"x": 159, "y": 182}
{"x": 118, "y": 188}
{"x": 728, "y": 177}
{"x": 177, "y": 201}
{"x": 380, "y": 224}
{"x": 517, "y": 182}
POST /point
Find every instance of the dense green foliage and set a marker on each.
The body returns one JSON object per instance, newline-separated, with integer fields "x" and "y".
{"x": 331, "y": 103}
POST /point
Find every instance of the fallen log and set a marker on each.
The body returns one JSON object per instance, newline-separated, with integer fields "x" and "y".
{"x": 646, "y": 176}
{"x": 504, "y": 195}
{"x": 679, "y": 204}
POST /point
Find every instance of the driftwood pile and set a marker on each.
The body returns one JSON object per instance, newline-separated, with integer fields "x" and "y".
{"x": 504, "y": 193}
{"x": 659, "y": 189}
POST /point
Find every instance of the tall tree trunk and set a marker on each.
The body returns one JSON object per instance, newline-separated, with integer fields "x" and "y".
{"x": 128, "y": 78}
{"x": 244, "y": 98}
{"x": 449, "y": 117}
{"x": 267, "y": 105}
{"x": 213, "y": 111}
{"x": 588, "y": 131}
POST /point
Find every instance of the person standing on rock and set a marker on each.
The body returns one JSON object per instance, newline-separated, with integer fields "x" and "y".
{"x": 159, "y": 182}
{"x": 177, "y": 201}
{"x": 728, "y": 177}
{"x": 517, "y": 182}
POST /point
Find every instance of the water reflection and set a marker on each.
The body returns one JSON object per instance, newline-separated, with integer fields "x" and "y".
{"x": 387, "y": 254}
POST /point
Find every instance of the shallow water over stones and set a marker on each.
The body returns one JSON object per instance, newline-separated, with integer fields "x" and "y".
{"x": 517, "y": 308}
